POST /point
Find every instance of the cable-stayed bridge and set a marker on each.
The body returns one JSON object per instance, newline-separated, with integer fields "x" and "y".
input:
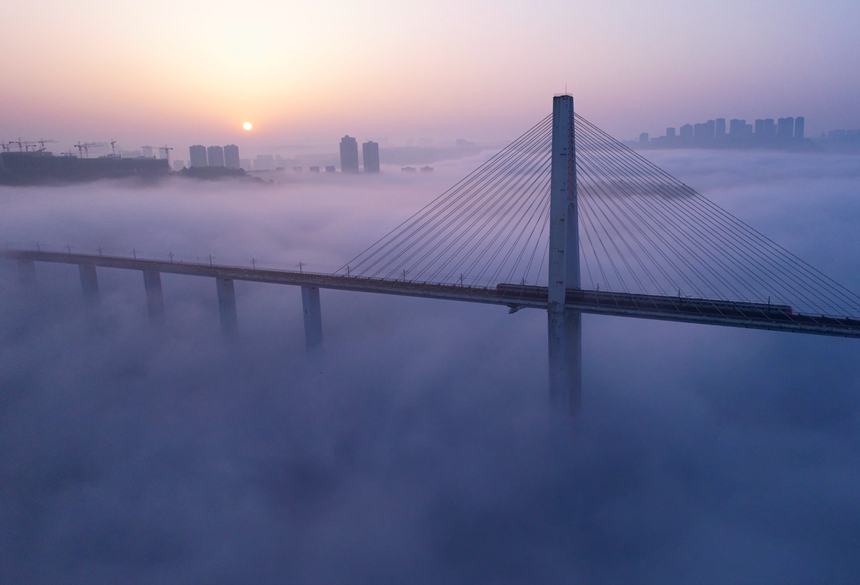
{"x": 564, "y": 219}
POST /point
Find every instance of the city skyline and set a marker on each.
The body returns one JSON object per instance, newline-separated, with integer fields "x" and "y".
{"x": 786, "y": 132}
{"x": 281, "y": 75}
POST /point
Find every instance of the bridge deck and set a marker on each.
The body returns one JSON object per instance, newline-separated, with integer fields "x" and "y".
{"x": 702, "y": 311}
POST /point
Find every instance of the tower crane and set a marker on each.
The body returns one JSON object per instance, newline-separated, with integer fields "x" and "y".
{"x": 84, "y": 149}
{"x": 23, "y": 145}
{"x": 43, "y": 142}
{"x": 166, "y": 150}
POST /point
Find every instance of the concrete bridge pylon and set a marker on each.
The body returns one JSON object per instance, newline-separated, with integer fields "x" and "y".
{"x": 564, "y": 325}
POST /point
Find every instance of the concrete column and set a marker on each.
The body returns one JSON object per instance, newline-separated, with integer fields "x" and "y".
{"x": 154, "y": 296}
{"x": 227, "y": 306}
{"x": 573, "y": 347}
{"x": 27, "y": 272}
{"x": 89, "y": 283}
{"x": 561, "y": 258}
{"x": 313, "y": 318}
{"x": 573, "y": 319}
{"x": 564, "y": 326}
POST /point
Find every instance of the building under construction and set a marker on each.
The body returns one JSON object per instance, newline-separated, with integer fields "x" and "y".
{"x": 41, "y": 168}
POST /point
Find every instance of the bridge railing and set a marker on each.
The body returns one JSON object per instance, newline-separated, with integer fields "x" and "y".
{"x": 227, "y": 262}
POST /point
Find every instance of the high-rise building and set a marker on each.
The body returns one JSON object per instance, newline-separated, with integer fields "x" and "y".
{"x": 215, "y": 154}
{"x": 759, "y": 127}
{"x": 197, "y": 153}
{"x": 720, "y": 127}
{"x": 799, "y": 122}
{"x": 146, "y": 151}
{"x": 231, "y": 157}
{"x": 704, "y": 131}
{"x": 370, "y": 156}
{"x": 348, "y": 155}
{"x": 643, "y": 138}
{"x": 710, "y": 129}
{"x": 686, "y": 132}
{"x": 737, "y": 127}
{"x": 670, "y": 132}
{"x": 769, "y": 127}
{"x": 785, "y": 128}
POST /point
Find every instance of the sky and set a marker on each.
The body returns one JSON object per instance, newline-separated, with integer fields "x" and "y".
{"x": 306, "y": 73}
{"x": 421, "y": 447}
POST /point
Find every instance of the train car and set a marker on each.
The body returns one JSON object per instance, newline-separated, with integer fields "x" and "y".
{"x": 667, "y": 303}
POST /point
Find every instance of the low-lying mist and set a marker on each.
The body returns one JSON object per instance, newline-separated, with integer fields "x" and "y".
{"x": 420, "y": 448}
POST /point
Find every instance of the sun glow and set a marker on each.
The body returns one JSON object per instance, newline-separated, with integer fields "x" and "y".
{"x": 247, "y": 125}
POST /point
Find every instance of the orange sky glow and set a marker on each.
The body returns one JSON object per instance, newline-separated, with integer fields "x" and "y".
{"x": 187, "y": 72}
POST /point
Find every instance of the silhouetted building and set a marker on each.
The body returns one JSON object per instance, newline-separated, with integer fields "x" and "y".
{"x": 686, "y": 132}
{"x": 798, "y": 127}
{"x": 736, "y": 127}
{"x": 348, "y": 155}
{"x": 215, "y": 154}
{"x": 370, "y": 156}
{"x": 197, "y": 154}
{"x": 784, "y": 134}
{"x": 704, "y": 131}
{"x": 231, "y": 157}
{"x": 785, "y": 128}
{"x": 331, "y": 169}
{"x": 314, "y": 169}
{"x": 146, "y": 151}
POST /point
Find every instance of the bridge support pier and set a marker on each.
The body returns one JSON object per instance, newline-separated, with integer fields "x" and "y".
{"x": 154, "y": 296}
{"x": 89, "y": 283}
{"x": 27, "y": 272}
{"x": 573, "y": 349}
{"x": 313, "y": 319}
{"x": 227, "y": 306}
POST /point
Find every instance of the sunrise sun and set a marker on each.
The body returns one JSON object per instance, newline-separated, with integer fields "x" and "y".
{"x": 247, "y": 126}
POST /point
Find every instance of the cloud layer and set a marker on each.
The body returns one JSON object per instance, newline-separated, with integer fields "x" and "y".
{"x": 420, "y": 448}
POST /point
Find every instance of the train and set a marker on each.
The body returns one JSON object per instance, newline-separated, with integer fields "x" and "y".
{"x": 641, "y": 301}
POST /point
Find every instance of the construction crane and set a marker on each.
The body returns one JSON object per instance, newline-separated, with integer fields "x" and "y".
{"x": 166, "y": 150}
{"x": 24, "y": 145}
{"x": 113, "y": 148}
{"x": 43, "y": 142}
{"x": 84, "y": 149}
